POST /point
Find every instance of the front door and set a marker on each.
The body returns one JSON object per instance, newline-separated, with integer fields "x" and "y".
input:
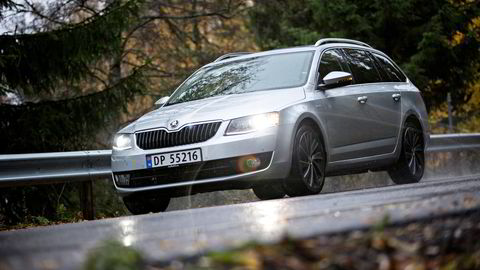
{"x": 345, "y": 111}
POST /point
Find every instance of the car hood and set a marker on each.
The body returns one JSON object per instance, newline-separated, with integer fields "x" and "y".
{"x": 217, "y": 108}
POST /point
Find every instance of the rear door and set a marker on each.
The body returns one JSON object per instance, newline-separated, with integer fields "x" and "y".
{"x": 389, "y": 97}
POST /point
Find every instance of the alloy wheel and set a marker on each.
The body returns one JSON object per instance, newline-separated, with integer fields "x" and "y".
{"x": 414, "y": 150}
{"x": 311, "y": 160}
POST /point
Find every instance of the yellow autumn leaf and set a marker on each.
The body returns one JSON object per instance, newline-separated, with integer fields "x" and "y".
{"x": 457, "y": 38}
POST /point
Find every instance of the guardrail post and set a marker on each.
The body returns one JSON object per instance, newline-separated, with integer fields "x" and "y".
{"x": 450, "y": 121}
{"x": 86, "y": 197}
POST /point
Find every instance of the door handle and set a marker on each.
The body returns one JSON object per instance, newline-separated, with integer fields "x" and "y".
{"x": 396, "y": 97}
{"x": 362, "y": 100}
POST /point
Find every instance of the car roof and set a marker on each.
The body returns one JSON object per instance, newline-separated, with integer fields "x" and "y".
{"x": 242, "y": 55}
{"x": 320, "y": 45}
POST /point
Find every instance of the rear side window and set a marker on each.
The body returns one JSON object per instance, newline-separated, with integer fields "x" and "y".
{"x": 389, "y": 71}
{"x": 362, "y": 66}
{"x": 331, "y": 61}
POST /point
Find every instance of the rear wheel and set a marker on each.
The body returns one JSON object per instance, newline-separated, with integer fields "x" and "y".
{"x": 146, "y": 202}
{"x": 307, "y": 174}
{"x": 269, "y": 192}
{"x": 411, "y": 163}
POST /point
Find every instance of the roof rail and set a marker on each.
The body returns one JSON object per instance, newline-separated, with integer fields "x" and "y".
{"x": 340, "y": 40}
{"x": 230, "y": 55}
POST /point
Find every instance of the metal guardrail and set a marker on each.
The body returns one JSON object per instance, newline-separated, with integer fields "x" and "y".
{"x": 46, "y": 168}
{"x": 454, "y": 142}
{"x": 60, "y": 167}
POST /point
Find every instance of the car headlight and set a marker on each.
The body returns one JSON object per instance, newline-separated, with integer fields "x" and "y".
{"x": 253, "y": 123}
{"x": 122, "y": 142}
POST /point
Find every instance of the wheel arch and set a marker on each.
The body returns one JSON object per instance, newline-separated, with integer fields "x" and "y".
{"x": 413, "y": 116}
{"x": 308, "y": 118}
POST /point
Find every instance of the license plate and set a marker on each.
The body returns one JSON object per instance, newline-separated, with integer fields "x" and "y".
{"x": 174, "y": 158}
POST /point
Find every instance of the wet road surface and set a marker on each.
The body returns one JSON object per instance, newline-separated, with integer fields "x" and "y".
{"x": 187, "y": 232}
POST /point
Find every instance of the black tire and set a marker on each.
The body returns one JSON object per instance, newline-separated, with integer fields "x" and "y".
{"x": 269, "y": 192}
{"x": 307, "y": 174}
{"x": 411, "y": 163}
{"x": 144, "y": 203}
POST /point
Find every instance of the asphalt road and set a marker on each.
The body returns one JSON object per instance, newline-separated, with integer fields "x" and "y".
{"x": 186, "y": 232}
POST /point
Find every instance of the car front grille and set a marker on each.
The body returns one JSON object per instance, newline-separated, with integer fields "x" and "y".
{"x": 160, "y": 138}
{"x": 196, "y": 171}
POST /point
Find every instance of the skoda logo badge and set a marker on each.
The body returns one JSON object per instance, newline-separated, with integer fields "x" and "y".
{"x": 174, "y": 124}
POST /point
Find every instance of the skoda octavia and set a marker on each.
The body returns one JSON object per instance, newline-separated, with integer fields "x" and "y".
{"x": 278, "y": 122}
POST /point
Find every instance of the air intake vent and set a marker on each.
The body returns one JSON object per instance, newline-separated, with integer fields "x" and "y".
{"x": 190, "y": 134}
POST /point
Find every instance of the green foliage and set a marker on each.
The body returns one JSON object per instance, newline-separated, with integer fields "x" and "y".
{"x": 41, "y": 61}
{"x": 38, "y": 203}
{"x": 107, "y": 202}
{"x": 113, "y": 255}
{"x": 234, "y": 257}
{"x": 50, "y": 204}
{"x": 56, "y": 71}
{"x": 64, "y": 125}
{"x": 382, "y": 224}
{"x": 41, "y": 220}
{"x": 436, "y": 42}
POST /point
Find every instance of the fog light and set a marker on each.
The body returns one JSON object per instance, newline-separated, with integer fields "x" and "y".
{"x": 122, "y": 179}
{"x": 252, "y": 163}
{"x": 248, "y": 164}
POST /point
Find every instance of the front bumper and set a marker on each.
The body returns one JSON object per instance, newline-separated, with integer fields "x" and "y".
{"x": 262, "y": 144}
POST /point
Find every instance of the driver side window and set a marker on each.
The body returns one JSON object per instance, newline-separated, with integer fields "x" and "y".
{"x": 330, "y": 62}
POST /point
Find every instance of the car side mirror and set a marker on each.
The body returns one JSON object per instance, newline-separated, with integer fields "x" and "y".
{"x": 161, "y": 101}
{"x": 336, "y": 79}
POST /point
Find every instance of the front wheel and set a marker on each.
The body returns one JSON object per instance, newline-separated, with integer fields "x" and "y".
{"x": 411, "y": 163}
{"x": 269, "y": 192}
{"x": 308, "y": 163}
{"x": 146, "y": 202}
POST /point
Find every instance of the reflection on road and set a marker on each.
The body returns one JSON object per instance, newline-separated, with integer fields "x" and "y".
{"x": 269, "y": 218}
{"x": 127, "y": 231}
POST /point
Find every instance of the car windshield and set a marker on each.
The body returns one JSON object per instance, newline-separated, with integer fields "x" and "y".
{"x": 247, "y": 75}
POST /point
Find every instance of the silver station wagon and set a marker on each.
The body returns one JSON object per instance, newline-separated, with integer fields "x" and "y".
{"x": 278, "y": 122}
